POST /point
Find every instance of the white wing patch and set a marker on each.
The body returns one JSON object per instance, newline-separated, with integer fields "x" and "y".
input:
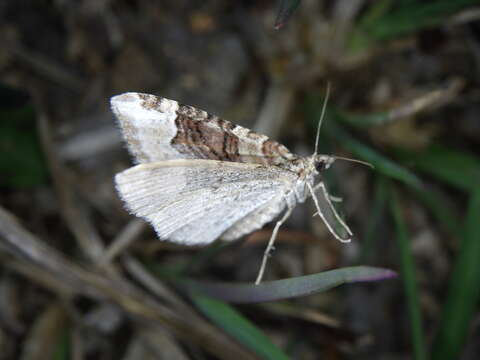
{"x": 148, "y": 125}
{"x": 195, "y": 201}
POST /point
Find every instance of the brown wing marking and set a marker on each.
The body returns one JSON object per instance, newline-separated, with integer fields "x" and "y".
{"x": 206, "y": 136}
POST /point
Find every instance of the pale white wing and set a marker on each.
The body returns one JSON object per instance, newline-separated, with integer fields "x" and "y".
{"x": 256, "y": 219}
{"x": 196, "y": 201}
{"x": 148, "y": 125}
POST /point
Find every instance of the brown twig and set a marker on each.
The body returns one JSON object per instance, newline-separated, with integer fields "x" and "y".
{"x": 157, "y": 288}
{"x": 27, "y": 248}
{"x": 123, "y": 240}
{"x": 429, "y": 100}
{"x": 275, "y": 109}
{"x": 71, "y": 210}
{"x": 44, "y": 67}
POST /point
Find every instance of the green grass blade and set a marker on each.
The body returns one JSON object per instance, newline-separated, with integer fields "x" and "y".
{"x": 360, "y": 121}
{"x": 63, "y": 349}
{"x": 409, "y": 279}
{"x": 375, "y": 12}
{"x": 285, "y": 11}
{"x": 454, "y": 167}
{"x": 21, "y": 162}
{"x": 206, "y": 297}
{"x": 439, "y": 209}
{"x": 404, "y": 20}
{"x": 382, "y": 164}
{"x": 237, "y": 326}
{"x": 285, "y": 288}
{"x": 464, "y": 290}
{"x": 378, "y": 210}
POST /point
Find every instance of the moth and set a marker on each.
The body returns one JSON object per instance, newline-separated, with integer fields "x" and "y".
{"x": 199, "y": 177}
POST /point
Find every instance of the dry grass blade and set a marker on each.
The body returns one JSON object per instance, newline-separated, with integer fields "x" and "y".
{"x": 76, "y": 219}
{"x": 10, "y": 304}
{"x": 123, "y": 240}
{"x": 136, "y": 269}
{"x": 26, "y": 248}
{"x": 276, "y": 107}
{"x": 43, "y": 336}
{"x": 404, "y": 98}
{"x": 297, "y": 312}
{"x": 161, "y": 344}
{"x": 44, "y": 66}
{"x": 430, "y": 100}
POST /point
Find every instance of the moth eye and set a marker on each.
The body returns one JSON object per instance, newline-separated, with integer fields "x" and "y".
{"x": 320, "y": 166}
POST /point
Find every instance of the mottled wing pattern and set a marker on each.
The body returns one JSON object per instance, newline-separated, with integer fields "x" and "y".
{"x": 196, "y": 201}
{"x": 157, "y": 129}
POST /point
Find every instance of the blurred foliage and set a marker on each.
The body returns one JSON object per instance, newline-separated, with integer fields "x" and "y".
{"x": 440, "y": 177}
{"x": 381, "y": 163}
{"x": 457, "y": 168}
{"x": 408, "y": 271}
{"x": 285, "y": 288}
{"x": 237, "y": 326}
{"x": 445, "y": 165}
{"x": 388, "y": 20}
{"x": 63, "y": 349}
{"x": 286, "y": 9}
{"x": 464, "y": 289}
{"x": 379, "y": 203}
{"x": 21, "y": 164}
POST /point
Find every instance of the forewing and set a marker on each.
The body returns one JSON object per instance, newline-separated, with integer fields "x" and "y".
{"x": 196, "y": 201}
{"x": 148, "y": 126}
{"x": 157, "y": 129}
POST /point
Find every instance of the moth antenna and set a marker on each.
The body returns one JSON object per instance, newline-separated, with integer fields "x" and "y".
{"x": 353, "y": 160}
{"x": 322, "y": 115}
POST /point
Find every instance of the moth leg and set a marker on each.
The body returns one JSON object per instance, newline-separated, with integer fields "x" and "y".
{"x": 333, "y": 198}
{"x": 269, "y": 248}
{"x": 333, "y": 213}
{"x": 336, "y": 199}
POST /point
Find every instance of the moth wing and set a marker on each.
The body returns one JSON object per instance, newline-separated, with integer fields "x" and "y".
{"x": 195, "y": 201}
{"x": 148, "y": 125}
{"x": 256, "y": 219}
{"x": 157, "y": 129}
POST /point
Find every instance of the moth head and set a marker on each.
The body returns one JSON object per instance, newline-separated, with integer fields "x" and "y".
{"x": 323, "y": 162}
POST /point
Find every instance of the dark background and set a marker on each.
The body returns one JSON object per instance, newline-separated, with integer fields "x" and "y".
{"x": 405, "y": 79}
